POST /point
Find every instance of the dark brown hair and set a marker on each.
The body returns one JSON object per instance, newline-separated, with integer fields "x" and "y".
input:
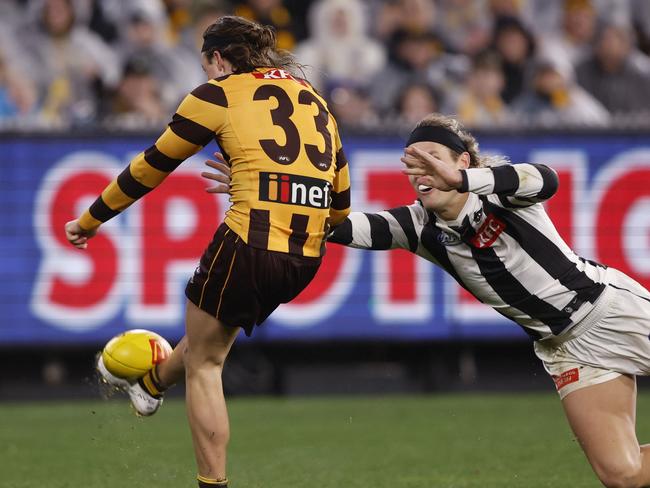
{"x": 247, "y": 45}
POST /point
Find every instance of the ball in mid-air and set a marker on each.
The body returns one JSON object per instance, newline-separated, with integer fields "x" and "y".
{"x": 131, "y": 354}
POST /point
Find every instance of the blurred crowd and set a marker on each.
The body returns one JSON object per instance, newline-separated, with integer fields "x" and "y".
{"x": 126, "y": 64}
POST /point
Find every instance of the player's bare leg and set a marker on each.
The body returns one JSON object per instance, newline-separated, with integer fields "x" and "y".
{"x": 172, "y": 370}
{"x": 208, "y": 344}
{"x": 603, "y": 418}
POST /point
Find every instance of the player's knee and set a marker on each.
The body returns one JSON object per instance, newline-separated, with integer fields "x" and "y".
{"x": 202, "y": 359}
{"x": 626, "y": 474}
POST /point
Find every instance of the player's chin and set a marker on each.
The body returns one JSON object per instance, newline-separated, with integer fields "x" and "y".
{"x": 429, "y": 199}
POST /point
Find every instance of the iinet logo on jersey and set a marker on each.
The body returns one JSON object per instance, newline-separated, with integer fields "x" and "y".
{"x": 488, "y": 232}
{"x": 294, "y": 190}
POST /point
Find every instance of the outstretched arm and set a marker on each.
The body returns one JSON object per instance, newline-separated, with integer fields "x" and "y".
{"x": 395, "y": 228}
{"x": 521, "y": 184}
{"x": 194, "y": 124}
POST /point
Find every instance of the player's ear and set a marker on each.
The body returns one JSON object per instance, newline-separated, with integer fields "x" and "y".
{"x": 464, "y": 160}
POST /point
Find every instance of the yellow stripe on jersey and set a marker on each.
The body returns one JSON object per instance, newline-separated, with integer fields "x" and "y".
{"x": 115, "y": 198}
{"x": 199, "y": 111}
{"x": 175, "y": 146}
{"x": 146, "y": 174}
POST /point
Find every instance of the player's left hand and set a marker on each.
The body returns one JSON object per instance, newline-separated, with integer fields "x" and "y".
{"x": 76, "y": 235}
{"x": 432, "y": 171}
{"x": 222, "y": 176}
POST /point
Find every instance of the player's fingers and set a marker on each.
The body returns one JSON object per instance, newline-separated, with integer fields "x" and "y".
{"x": 219, "y": 166}
{"x": 421, "y": 155}
{"x": 218, "y": 189}
{"x": 216, "y": 177}
{"x": 411, "y": 162}
{"x": 414, "y": 171}
{"x": 219, "y": 156}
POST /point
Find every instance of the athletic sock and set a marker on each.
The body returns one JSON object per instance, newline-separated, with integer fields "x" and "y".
{"x": 151, "y": 383}
{"x": 210, "y": 483}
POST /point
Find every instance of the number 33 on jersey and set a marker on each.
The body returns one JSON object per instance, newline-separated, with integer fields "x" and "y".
{"x": 287, "y": 164}
{"x": 289, "y": 176}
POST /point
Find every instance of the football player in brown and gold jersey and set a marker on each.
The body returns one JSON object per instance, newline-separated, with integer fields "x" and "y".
{"x": 289, "y": 185}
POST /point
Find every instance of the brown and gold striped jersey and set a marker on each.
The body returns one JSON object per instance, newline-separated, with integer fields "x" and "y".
{"x": 289, "y": 176}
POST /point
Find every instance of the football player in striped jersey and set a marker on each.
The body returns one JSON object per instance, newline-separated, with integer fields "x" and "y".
{"x": 289, "y": 184}
{"x": 481, "y": 219}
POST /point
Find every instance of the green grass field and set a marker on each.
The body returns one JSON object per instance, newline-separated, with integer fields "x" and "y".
{"x": 445, "y": 441}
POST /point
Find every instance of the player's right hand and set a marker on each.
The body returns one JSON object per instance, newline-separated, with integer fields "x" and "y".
{"x": 77, "y": 236}
{"x": 222, "y": 177}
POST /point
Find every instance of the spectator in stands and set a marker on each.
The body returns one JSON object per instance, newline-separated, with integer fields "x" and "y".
{"x": 515, "y": 45}
{"x": 640, "y": 19}
{"x": 204, "y": 14}
{"x": 339, "y": 50}
{"x": 273, "y": 13}
{"x": 464, "y": 25}
{"x": 479, "y": 102}
{"x": 17, "y": 93}
{"x": 615, "y": 74}
{"x": 179, "y": 14}
{"x": 405, "y": 15}
{"x": 416, "y": 57}
{"x": 70, "y": 64}
{"x": 137, "y": 101}
{"x": 146, "y": 39}
{"x": 353, "y": 108}
{"x": 577, "y": 31}
{"x": 415, "y": 101}
{"x": 555, "y": 100}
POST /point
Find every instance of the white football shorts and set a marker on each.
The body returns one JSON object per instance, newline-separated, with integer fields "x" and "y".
{"x": 612, "y": 340}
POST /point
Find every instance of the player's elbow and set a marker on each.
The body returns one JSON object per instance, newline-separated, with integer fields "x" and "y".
{"x": 625, "y": 474}
{"x": 550, "y": 182}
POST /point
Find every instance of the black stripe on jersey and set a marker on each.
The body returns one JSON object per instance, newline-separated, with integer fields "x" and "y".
{"x": 510, "y": 290}
{"x": 546, "y": 254}
{"x": 258, "y": 229}
{"x": 380, "y": 235}
{"x": 212, "y": 94}
{"x": 593, "y": 263}
{"x": 520, "y": 203}
{"x": 340, "y": 200}
{"x": 405, "y": 220}
{"x": 161, "y": 161}
{"x": 506, "y": 179}
{"x": 550, "y": 184}
{"x": 101, "y": 211}
{"x": 464, "y": 185}
{"x": 130, "y": 186}
{"x": 190, "y": 131}
{"x": 298, "y": 235}
{"x": 341, "y": 160}
{"x": 430, "y": 238}
{"x": 342, "y": 233}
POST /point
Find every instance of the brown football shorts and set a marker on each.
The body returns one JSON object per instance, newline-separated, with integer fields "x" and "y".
{"x": 241, "y": 285}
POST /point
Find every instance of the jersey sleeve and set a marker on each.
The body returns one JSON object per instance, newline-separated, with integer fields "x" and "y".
{"x": 199, "y": 117}
{"x": 390, "y": 229}
{"x": 340, "y": 204}
{"x": 516, "y": 185}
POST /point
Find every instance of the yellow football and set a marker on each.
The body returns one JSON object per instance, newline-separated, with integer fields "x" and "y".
{"x": 131, "y": 354}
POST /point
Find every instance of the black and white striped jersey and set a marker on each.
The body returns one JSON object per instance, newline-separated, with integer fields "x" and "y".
{"x": 502, "y": 248}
